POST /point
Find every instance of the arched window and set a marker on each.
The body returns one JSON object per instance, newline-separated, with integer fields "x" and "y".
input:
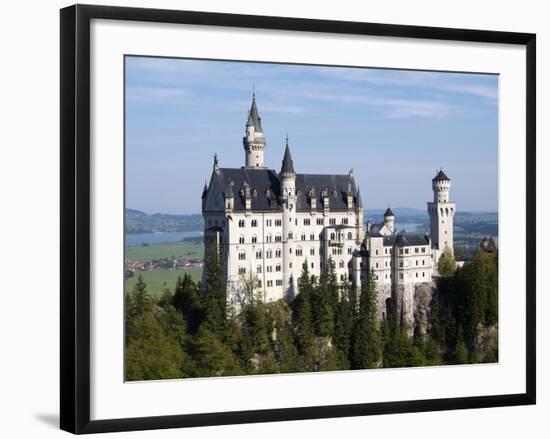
{"x": 259, "y": 269}
{"x": 332, "y": 235}
{"x": 349, "y": 235}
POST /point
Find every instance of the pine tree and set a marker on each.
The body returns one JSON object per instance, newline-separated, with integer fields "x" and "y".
{"x": 343, "y": 327}
{"x": 213, "y": 296}
{"x": 141, "y": 300}
{"x": 302, "y": 317}
{"x": 366, "y": 337}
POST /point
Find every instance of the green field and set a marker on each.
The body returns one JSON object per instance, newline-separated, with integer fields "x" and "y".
{"x": 159, "y": 279}
{"x": 181, "y": 249}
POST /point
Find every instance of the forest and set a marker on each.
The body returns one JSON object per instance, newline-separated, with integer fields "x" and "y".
{"x": 190, "y": 331}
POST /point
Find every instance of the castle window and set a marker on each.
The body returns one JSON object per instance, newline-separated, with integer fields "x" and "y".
{"x": 307, "y": 221}
{"x": 259, "y": 269}
{"x": 332, "y": 221}
{"x": 268, "y": 193}
{"x": 334, "y": 193}
{"x": 259, "y": 283}
{"x": 332, "y": 235}
{"x": 290, "y": 265}
{"x": 377, "y": 265}
{"x": 241, "y": 223}
{"x": 400, "y": 251}
{"x": 242, "y": 270}
{"x": 242, "y": 256}
{"x": 303, "y": 236}
{"x": 401, "y": 263}
{"x": 344, "y": 220}
{"x": 422, "y": 261}
{"x": 341, "y": 264}
{"x": 350, "y": 250}
{"x": 279, "y": 282}
{"x": 376, "y": 251}
{"x": 269, "y": 283}
{"x": 312, "y": 237}
{"x": 268, "y": 223}
{"x": 416, "y": 263}
{"x": 269, "y": 254}
{"x": 423, "y": 274}
{"x": 258, "y": 254}
{"x": 254, "y": 193}
{"x": 400, "y": 275}
{"x": 268, "y": 238}
{"x": 312, "y": 265}
{"x": 278, "y": 222}
{"x": 341, "y": 278}
{"x": 241, "y": 239}
{"x": 278, "y": 238}
{"x": 320, "y": 221}
{"x": 416, "y": 274}
{"x": 254, "y": 223}
{"x": 298, "y": 252}
{"x": 416, "y": 249}
{"x": 278, "y": 253}
{"x": 290, "y": 235}
{"x": 406, "y": 251}
{"x": 423, "y": 249}
{"x": 349, "y": 235}
{"x": 290, "y": 250}
{"x": 278, "y": 267}
{"x": 254, "y": 239}
{"x": 312, "y": 251}
{"x": 269, "y": 268}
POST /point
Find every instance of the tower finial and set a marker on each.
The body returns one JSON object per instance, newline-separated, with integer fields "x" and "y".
{"x": 286, "y": 139}
{"x": 253, "y": 91}
{"x": 215, "y": 160}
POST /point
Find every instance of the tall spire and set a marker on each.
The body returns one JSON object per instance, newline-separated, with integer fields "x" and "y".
{"x": 254, "y": 118}
{"x": 287, "y": 166}
{"x": 358, "y": 201}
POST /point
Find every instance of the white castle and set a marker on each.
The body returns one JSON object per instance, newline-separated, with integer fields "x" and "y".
{"x": 272, "y": 223}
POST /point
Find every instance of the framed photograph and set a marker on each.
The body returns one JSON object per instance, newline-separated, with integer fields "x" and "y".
{"x": 275, "y": 218}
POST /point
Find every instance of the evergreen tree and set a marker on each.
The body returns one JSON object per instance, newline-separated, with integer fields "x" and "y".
{"x": 141, "y": 300}
{"x": 323, "y": 301}
{"x": 213, "y": 296}
{"x": 302, "y": 317}
{"x": 186, "y": 300}
{"x": 211, "y": 357}
{"x": 343, "y": 327}
{"x": 461, "y": 351}
{"x": 366, "y": 338}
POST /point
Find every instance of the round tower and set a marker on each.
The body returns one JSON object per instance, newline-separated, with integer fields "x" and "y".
{"x": 287, "y": 177}
{"x": 441, "y": 212}
{"x": 389, "y": 219}
{"x": 254, "y": 140}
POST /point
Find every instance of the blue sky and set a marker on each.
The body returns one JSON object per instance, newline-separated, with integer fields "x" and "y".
{"x": 393, "y": 127}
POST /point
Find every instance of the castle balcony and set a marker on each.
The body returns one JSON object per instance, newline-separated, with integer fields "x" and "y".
{"x": 335, "y": 243}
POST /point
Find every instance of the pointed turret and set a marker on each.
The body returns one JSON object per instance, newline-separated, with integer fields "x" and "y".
{"x": 254, "y": 140}
{"x": 358, "y": 201}
{"x": 388, "y": 212}
{"x": 254, "y": 119}
{"x": 287, "y": 166}
{"x": 441, "y": 176}
{"x": 204, "y": 191}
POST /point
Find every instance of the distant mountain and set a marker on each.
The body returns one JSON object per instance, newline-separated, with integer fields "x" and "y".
{"x": 141, "y": 222}
{"x": 405, "y": 211}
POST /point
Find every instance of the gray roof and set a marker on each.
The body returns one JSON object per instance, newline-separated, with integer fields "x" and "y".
{"x": 287, "y": 165}
{"x": 358, "y": 201}
{"x": 441, "y": 176}
{"x": 254, "y": 118}
{"x": 388, "y": 212}
{"x": 265, "y": 187}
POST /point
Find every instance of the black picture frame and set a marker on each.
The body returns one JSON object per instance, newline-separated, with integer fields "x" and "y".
{"x": 75, "y": 217}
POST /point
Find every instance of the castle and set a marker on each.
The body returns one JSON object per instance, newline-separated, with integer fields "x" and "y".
{"x": 270, "y": 224}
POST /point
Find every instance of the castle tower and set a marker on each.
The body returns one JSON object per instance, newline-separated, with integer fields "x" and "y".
{"x": 287, "y": 178}
{"x": 254, "y": 140}
{"x": 441, "y": 213}
{"x": 389, "y": 220}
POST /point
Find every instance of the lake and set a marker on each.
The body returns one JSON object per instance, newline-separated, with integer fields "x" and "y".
{"x": 158, "y": 237}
